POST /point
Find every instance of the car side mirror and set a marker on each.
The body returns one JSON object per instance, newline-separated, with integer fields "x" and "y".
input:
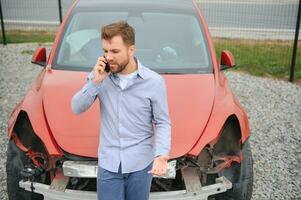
{"x": 39, "y": 56}
{"x": 227, "y": 60}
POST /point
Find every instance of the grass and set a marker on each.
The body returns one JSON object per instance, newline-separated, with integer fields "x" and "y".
{"x": 260, "y": 58}
{"x": 17, "y": 36}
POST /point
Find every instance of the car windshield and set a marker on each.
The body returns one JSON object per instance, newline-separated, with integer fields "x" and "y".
{"x": 165, "y": 42}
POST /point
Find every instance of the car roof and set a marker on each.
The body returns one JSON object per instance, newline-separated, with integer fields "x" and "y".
{"x": 181, "y": 6}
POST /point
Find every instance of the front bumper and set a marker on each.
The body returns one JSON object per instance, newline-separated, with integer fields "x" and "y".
{"x": 222, "y": 184}
{"x": 86, "y": 169}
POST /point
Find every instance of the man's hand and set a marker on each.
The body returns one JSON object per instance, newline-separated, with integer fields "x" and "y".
{"x": 99, "y": 70}
{"x": 159, "y": 166}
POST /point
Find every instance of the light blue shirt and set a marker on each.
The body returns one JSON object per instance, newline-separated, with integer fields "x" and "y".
{"x": 135, "y": 123}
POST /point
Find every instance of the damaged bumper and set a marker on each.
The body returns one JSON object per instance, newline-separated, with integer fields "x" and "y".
{"x": 89, "y": 169}
{"x": 202, "y": 193}
{"x": 58, "y": 190}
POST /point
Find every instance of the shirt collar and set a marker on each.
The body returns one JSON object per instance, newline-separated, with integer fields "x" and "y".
{"x": 140, "y": 69}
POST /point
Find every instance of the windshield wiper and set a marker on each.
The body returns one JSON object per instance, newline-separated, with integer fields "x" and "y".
{"x": 171, "y": 73}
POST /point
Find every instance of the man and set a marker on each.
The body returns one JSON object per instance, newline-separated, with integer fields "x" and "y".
{"x": 135, "y": 125}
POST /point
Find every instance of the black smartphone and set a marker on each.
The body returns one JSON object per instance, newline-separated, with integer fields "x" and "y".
{"x": 107, "y": 67}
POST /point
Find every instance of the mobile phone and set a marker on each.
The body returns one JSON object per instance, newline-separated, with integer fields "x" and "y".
{"x": 107, "y": 67}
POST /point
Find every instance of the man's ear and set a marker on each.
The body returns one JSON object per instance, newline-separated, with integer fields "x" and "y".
{"x": 132, "y": 50}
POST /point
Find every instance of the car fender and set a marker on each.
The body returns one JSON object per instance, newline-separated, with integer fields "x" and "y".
{"x": 32, "y": 104}
{"x": 225, "y": 105}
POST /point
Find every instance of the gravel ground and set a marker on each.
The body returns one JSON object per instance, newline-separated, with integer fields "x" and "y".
{"x": 273, "y": 107}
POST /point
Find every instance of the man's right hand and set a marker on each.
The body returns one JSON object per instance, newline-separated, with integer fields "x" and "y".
{"x": 99, "y": 72}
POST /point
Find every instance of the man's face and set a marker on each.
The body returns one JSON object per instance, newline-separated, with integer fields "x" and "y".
{"x": 117, "y": 53}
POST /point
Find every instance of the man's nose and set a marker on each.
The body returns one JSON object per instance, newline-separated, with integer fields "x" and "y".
{"x": 109, "y": 56}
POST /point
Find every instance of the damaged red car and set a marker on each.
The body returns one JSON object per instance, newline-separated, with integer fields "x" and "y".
{"x": 52, "y": 153}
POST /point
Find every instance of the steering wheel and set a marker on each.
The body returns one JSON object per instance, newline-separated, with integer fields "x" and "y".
{"x": 169, "y": 51}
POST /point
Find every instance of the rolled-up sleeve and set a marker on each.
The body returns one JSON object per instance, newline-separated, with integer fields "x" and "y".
{"x": 161, "y": 120}
{"x": 85, "y": 97}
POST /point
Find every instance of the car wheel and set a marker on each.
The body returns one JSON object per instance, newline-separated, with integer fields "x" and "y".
{"x": 241, "y": 176}
{"x": 14, "y": 164}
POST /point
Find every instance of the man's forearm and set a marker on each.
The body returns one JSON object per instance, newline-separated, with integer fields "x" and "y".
{"x": 84, "y": 98}
{"x": 162, "y": 139}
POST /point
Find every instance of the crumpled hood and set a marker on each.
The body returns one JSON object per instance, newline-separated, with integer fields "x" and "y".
{"x": 190, "y": 98}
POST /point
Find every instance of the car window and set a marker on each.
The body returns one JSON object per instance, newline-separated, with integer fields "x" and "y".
{"x": 165, "y": 42}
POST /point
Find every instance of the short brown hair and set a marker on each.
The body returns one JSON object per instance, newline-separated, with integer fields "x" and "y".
{"x": 121, "y": 28}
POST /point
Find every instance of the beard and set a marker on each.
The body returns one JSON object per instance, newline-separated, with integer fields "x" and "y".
{"x": 121, "y": 66}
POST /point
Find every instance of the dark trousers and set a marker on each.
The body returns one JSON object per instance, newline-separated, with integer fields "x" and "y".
{"x": 129, "y": 186}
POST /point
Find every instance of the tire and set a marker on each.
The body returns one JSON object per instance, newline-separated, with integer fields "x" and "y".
{"x": 241, "y": 176}
{"x": 15, "y": 160}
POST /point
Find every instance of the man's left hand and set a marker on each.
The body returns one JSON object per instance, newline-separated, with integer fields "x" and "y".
{"x": 159, "y": 166}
